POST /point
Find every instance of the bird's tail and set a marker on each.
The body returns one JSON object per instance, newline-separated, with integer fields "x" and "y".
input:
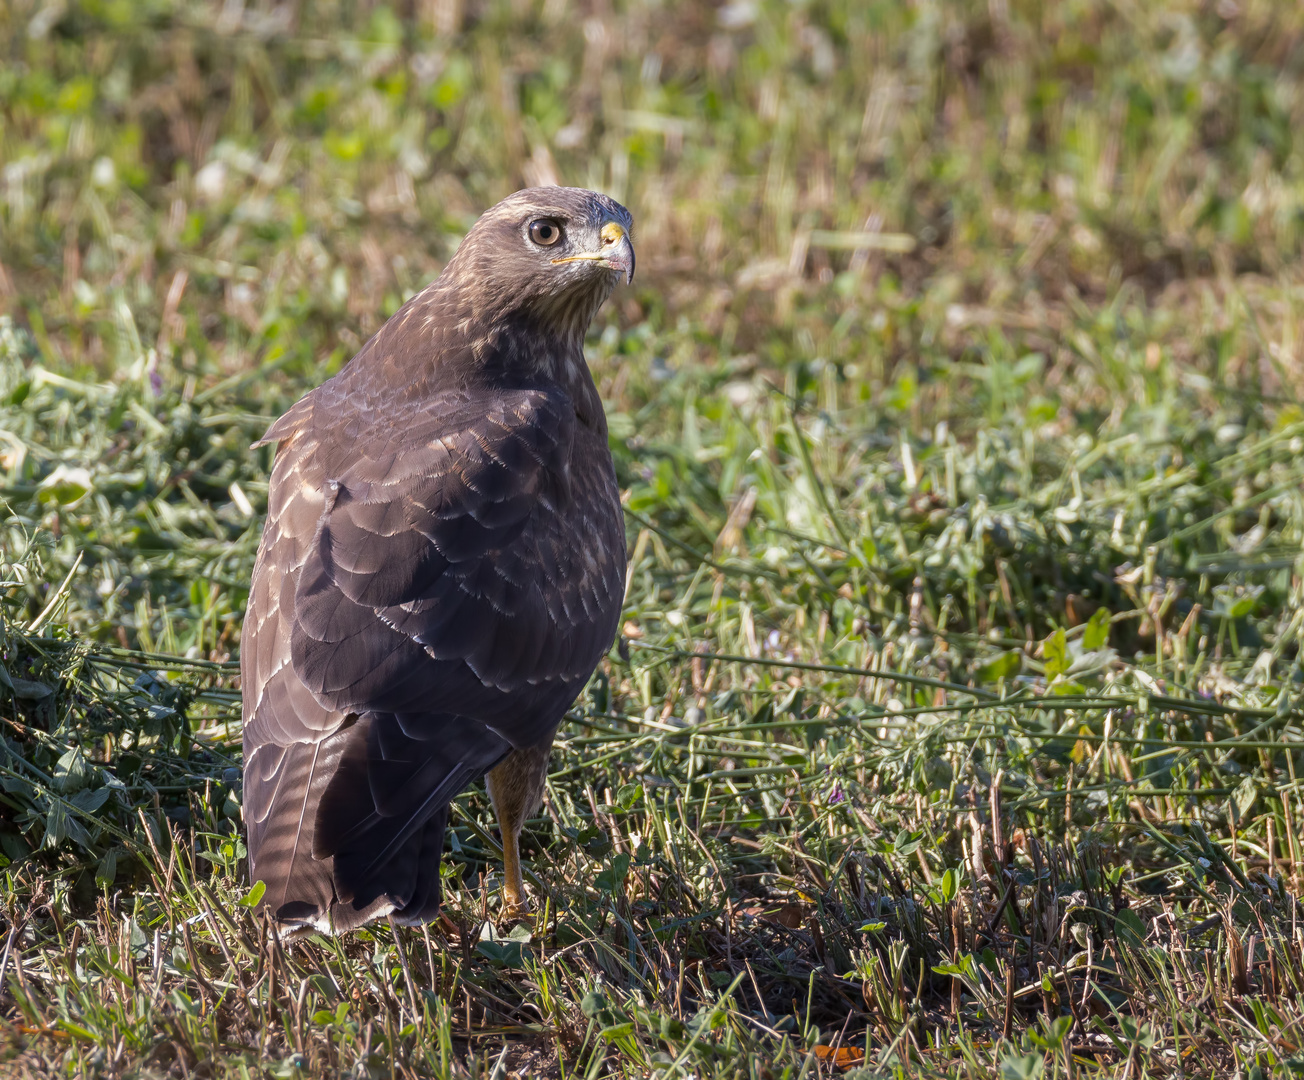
{"x": 283, "y": 786}
{"x": 355, "y": 824}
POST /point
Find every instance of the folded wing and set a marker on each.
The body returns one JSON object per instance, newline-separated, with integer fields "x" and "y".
{"x": 427, "y": 597}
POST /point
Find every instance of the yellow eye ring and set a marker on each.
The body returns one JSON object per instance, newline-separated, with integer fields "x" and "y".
{"x": 544, "y": 232}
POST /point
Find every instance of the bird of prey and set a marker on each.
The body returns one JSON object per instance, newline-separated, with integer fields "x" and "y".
{"x": 441, "y": 570}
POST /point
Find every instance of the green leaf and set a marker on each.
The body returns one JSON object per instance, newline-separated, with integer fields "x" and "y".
{"x": 71, "y": 772}
{"x": 1004, "y": 666}
{"x": 89, "y": 800}
{"x": 616, "y": 1031}
{"x": 1096, "y": 635}
{"x": 1236, "y": 601}
{"x": 1053, "y": 1034}
{"x": 184, "y": 1002}
{"x": 903, "y": 392}
{"x": 613, "y": 876}
{"x": 907, "y": 842}
{"x": 29, "y": 689}
{"x": 509, "y": 952}
{"x": 107, "y": 870}
{"x": 344, "y": 146}
{"x": 1023, "y": 1067}
{"x": 77, "y": 1031}
{"x": 1137, "y": 1033}
{"x": 251, "y": 898}
{"x": 1129, "y": 929}
{"x": 385, "y": 28}
{"x": 1244, "y": 797}
{"x": 595, "y": 842}
{"x": 1056, "y": 651}
{"x": 65, "y": 486}
{"x": 950, "y": 885}
{"x": 506, "y": 954}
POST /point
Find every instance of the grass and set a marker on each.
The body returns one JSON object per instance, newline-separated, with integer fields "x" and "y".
{"x": 954, "y": 728}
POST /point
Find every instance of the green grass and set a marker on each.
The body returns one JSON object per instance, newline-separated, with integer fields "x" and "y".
{"x": 955, "y": 725}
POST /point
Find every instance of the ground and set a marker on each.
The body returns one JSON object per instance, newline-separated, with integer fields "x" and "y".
{"x": 953, "y": 726}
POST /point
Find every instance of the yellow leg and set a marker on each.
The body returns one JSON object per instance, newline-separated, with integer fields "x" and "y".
{"x": 515, "y": 788}
{"x": 505, "y": 792}
{"x": 513, "y": 883}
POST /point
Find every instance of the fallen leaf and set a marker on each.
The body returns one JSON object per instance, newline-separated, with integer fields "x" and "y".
{"x": 844, "y": 1057}
{"x": 787, "y": 915}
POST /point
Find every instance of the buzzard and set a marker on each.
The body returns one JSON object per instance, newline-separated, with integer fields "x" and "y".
{"x": 441, "y": 570}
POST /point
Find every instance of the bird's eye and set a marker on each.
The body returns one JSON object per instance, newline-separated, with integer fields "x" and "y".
{"x": 545, "y": 233}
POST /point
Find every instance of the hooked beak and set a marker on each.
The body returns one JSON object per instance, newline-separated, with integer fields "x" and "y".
{"x": 617, "y": 252}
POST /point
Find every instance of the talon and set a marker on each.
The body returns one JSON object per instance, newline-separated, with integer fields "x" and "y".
{"x": 514, "y": 910}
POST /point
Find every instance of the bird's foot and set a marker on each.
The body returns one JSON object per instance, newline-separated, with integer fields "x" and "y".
{"x": 515, "y": 906}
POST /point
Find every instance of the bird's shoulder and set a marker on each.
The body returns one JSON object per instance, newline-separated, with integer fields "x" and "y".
{"x": 335, "y": 433}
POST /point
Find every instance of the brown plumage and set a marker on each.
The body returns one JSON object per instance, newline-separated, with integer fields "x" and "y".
{"x": 441, "y": 569}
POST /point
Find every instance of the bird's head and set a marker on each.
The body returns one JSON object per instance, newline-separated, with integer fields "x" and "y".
{"x": 555, "y": 252}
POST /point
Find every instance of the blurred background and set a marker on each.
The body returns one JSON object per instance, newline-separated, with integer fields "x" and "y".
{"x": 238, "y": 184}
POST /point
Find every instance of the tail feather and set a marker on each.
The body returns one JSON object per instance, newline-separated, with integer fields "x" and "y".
{"x": 283, "y": 786}
{"x": 413, "y": 872}
{"x": 351, "y": 828}
{"x": 427, "y": 895}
